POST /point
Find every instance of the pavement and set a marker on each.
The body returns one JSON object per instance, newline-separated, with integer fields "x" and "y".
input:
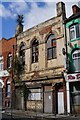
{"x": 40, "y": 116}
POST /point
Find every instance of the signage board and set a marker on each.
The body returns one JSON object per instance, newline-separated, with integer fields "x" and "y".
{"x": 73, "y": 77}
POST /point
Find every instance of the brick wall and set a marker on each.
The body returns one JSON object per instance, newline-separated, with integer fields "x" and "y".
{"x": 5, "y": 49}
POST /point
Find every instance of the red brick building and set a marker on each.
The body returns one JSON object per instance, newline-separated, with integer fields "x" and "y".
{"x": 6, "y": 53}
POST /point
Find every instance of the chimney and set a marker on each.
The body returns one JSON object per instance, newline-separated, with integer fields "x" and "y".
{"x": 60, "y": 7}
{"x": 75, "y": 9}
{"x": 79, "y": 4}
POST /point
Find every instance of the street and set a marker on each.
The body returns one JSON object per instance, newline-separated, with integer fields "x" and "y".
{"x": 17, "y": 117}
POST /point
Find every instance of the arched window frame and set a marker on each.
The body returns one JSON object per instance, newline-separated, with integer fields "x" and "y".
{"x": 35, "y": 51}
{"x": 51, "y": 47}
{"x": 22, "y": 53}
{"x": 8, "y": 88}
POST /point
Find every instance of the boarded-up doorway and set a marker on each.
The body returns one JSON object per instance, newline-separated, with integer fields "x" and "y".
{"x": 47, "y": 99}
{"x": 60, "y": 102}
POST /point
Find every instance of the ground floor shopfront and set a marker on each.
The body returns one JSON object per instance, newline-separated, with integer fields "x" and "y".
{"x": 48, "y": 96}
{"x": 73, "y": 93}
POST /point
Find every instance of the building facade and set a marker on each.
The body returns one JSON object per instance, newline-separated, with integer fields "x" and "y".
{"x": 40, "y": 51}
{"x": 6, "y": 56}
{"x": 72, "y": 38}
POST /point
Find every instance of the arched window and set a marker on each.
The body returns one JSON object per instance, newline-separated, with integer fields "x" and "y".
{"x": 35, "y": 51}
{"x": 51, "y": 47}
{"x": 76, "y": 60}
{"x": 9, "y": 61}
{"x": 8, "y": 88}
{"x": 22, "y": 53}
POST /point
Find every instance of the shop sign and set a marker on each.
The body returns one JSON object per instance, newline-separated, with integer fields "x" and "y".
{"x": 73, "y": 77}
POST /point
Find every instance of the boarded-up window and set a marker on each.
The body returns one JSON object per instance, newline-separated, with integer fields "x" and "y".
{"x": 35, "y": 94}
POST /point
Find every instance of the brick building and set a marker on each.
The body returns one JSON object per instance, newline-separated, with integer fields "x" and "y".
{"x": 40, "y": 51}
{"x": 6, "y": 56}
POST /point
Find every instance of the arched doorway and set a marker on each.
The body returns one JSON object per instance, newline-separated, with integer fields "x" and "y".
{"x": 1, "y": 86}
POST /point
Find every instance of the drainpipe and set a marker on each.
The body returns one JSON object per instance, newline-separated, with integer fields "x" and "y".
{"x": 65, "y": 44}
{"x": 66, "y": 67}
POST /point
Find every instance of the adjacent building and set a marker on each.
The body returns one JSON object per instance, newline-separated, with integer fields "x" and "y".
{"x": 40, "y": 51}
{"x": 6, "y": 56}
{"x": 72, "y": 76}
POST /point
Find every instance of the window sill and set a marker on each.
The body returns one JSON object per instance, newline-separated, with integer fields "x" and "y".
{"x": 75, "y": 39}
{"x": 34, "y": 62}
{"x": 52, "y": 58}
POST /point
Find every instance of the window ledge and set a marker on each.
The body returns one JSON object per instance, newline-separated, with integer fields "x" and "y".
{"x": 75, "y": 39}
{"x": 52, "y": 58}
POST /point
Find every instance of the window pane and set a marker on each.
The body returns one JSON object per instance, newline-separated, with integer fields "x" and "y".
{"x": 75, "y": 64}
{"x": 54, "y": 52}
{"x": 22, "y": 54}
{"x": 8, "y": 88}
{"x": 49, "y": 41}
{"x": 35, "y": 51}
{"x": 76, "y": 99}
{"x": 52, "y": 36}
{"x": 78, "y": 64}
{"x": 49, "y": 44}
{"x": 23, "y": 47}
{"x": 36, "y": 57}
{"x": 10, "y": 60}
{"x": 77, "y": 31}
{"x": 49, "y": 54}
{"x": 36, "y": 48}
{"x": 72, "y": 32}
{"x": 1, "y": 66}
{"x": 76, "y": 60}
{"x": 53, "y": 43}
{"x": 33, "y": 57}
